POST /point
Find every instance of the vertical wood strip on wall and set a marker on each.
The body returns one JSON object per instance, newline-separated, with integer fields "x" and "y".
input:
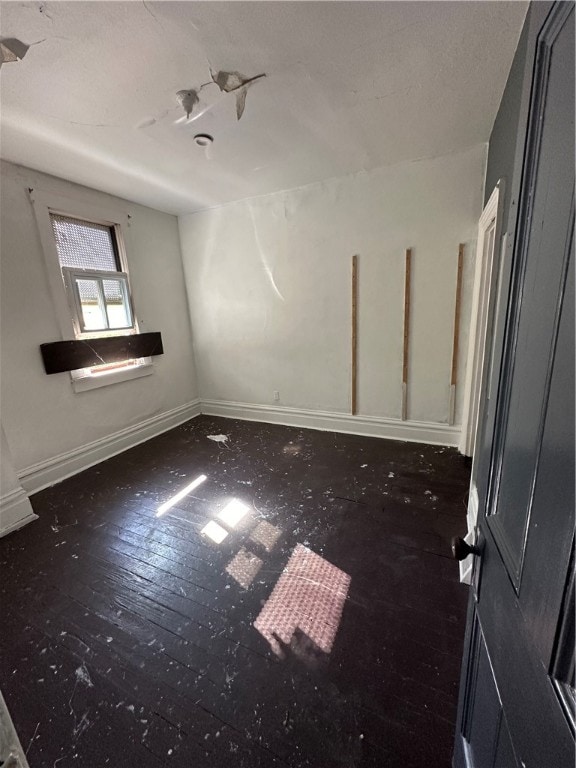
{"x": 406, "y": 333}
{"x": 354, "y": 334}
{"x": 457, "y": 309}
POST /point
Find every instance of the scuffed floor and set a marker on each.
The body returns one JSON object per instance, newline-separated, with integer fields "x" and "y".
{"x": 298, "y": 607}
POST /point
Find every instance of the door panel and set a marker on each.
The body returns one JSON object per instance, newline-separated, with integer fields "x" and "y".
{"x": 548, "y": 545}
{"x": 505, "y": 757}
{"x": 511, "y": 712}
{"x": 486, "y": 710}
{"x": 533, "y": 325}
{"x": 486, "y": 735}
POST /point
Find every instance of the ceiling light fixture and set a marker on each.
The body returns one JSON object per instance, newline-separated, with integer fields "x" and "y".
{"x": 203, "y": 140}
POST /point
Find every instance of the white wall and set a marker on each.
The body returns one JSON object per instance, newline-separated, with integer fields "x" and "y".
{"x": 268, "y": 281}
{"x": 42, "y": 416}
{"x": 15, "y": 507}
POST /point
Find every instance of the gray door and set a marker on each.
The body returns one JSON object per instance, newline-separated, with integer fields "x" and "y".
{"x": 517, "y": 689}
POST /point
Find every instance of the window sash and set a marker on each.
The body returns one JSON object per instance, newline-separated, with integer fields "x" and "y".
{"x": 72, "y": 277}
{"x": 85, "y": 243}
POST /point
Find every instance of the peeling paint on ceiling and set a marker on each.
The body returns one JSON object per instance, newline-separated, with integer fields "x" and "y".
{"x": 349, "y": 86}
{"x": 187, "y": 100}
{"x": 228, "y": 82}
{"x": 234, "y": 82}
{"x": 12, "y": 50}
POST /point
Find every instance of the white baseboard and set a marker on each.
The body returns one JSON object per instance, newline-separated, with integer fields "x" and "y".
{"x": 15, "y": 511}
{"x": 45, "y": 473}
{"x": 369, "y": 426}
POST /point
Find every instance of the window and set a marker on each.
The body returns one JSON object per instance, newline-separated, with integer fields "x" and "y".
{"x": 97, "y": 288}
{"x": 85, "y": 253}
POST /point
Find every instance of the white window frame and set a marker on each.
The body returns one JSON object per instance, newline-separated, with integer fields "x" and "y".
{"x": 45, "y": 203}
{"x": 72, "y": 275}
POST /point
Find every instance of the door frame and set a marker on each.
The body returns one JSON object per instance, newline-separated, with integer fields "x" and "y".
{"x": 481, "y": 317}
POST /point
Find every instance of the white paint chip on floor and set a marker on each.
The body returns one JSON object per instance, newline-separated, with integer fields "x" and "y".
{"x": 218, "y": 438}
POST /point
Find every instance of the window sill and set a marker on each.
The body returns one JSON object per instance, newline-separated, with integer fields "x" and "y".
{"x": 114, "y": 377}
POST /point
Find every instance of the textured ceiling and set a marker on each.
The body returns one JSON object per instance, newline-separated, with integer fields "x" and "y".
{"x": 349, "y": 86}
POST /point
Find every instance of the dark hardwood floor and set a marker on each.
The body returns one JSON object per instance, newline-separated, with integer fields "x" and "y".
{"x": 128, "y": 638}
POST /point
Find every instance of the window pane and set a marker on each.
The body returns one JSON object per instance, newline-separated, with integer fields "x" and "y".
{"x": 118, "y": 312}
{"x": 92, "y": 309}
{"x": 83, "y": 244}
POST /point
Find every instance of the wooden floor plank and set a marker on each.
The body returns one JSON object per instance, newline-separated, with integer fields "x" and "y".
{"x": 129, "y": 638}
